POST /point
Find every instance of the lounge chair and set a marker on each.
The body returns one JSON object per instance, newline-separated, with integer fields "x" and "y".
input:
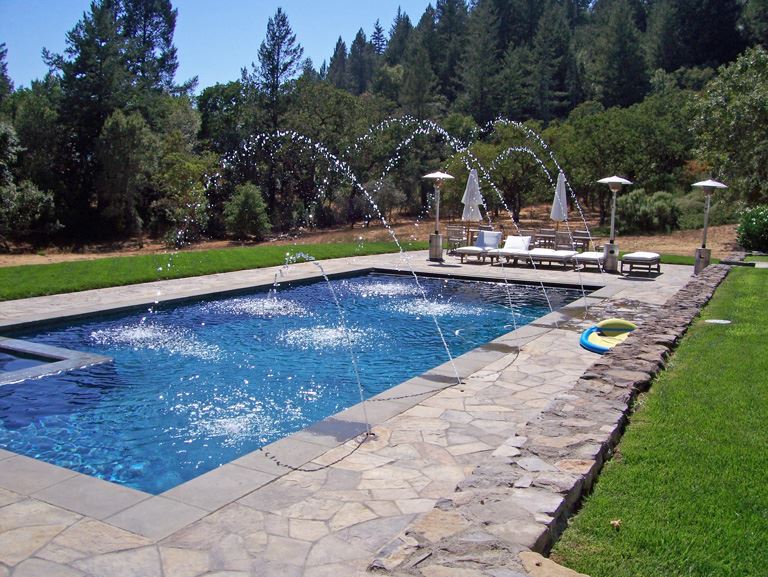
{"x": 486, "y": 241}
{"x": 535, "y": 255}
{"x": 594, "y": 257}
{"x": 642, "y": 260}
{"x": 550, "y": 255}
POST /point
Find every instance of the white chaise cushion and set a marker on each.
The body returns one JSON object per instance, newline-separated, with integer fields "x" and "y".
{"x": 641, "y": 256}
{"x": 517, "y": 243}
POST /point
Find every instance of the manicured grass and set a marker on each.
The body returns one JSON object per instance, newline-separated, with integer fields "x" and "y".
{"x": 35, "y": 280}
{"x": 689, "y": 482}
{"x": 757, "y": 259}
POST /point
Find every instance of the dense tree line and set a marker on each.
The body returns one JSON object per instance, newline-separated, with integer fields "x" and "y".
{"x": 109, "y": 146}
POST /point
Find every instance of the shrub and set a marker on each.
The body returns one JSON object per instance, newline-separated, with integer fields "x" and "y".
{"x": 725, "y": 209}
{"x": 26, "y": 213}
{"x": 639, "y": 212}
{"x": 245, "y": 214}
{"x": 752, "y": 232}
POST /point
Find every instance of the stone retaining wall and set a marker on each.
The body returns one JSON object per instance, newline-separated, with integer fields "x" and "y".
{"x": 515, "y": 505}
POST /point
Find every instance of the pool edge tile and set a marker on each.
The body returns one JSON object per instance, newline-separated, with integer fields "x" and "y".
{"x": 90, "y": 496}
{"x": 156, "y": 517}
{"x": 26, "y": 476}
{"x": 219, "y": 487}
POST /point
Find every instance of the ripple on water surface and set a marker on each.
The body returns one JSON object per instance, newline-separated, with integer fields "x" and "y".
{"x": 151, "y": 336}
{"x": 323, "y": 337}
{"x": 265, "y": 307}
{"x": 380, "y": 289}
{"x": 421, "y": 308}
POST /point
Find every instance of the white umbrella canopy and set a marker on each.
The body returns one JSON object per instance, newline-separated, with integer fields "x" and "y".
{"x": 559, "y": 211}
{"x": 472, "y": 199}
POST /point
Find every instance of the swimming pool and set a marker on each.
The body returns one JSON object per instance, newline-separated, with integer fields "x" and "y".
{"x": 196, "y": 385}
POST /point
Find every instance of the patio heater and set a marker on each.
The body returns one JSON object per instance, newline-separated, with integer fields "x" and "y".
{"x": 702, "y": 254}
{"x": 611, "y": 250}
{"x": 436, "y": 239}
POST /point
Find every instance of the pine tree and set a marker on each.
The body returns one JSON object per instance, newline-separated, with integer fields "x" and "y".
{"x": 517, "y": 85}
{"x": 6, "y": 84}
{"x": 618, "y": 70}
{"x": 419, "y": 81}
{"x": 427, "y": 31}
{"x": 338, "y": 74}
{"x": 378, "y": 39}
{"x": 451, "y": 29}
{"x": 148, "y": 27}
{"x": 95, "y": 83}
{"x": 360, "y": 63}
{"x": 518, "y": 21}
{"x": 553, "y": 63}
{"x": 398, "y": 38}
{"x": 480, "y": 65}
{"x": 689, "y": 33}
{"x": 279, "y": 61}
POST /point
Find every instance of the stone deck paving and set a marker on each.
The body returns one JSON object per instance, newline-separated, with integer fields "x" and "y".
{"x": 352, "y": 507}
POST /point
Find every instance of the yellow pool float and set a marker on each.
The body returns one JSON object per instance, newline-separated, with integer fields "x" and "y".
{"x": 606, "y": 334}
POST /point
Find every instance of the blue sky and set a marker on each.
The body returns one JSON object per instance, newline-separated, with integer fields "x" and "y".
{"x": 214, "y": 38}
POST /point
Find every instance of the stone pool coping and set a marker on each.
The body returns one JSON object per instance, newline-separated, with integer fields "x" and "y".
{"x": 158, "y": 518}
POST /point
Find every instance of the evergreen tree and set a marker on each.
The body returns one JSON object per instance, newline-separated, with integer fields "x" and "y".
{"x": 690, "y": 33}
{"x": 518, "y": 21}
{"x": 398, "y": 38}
{"x": 378, "y": 39}
{"x": 308, "y": 70}
{"x": 451, "y": 29}
{"x": 516, "y": 84}
{"x": 6, "y": 84}
{"x": 419, "y": 82}
{"x": 360, "y": 63}
{"x": 426, "y": 30}
{"x": 95, "y": 83}
{"x": 480, "y": 65}
{"x": 754, "y": 19}
{"x": 338, "y": 73}
{"x": 553, "y": 65}
{"x": 148, "y": 27}
{"x": 618, "y": 70}
{"x": 279, "y": 61}
{"x": 663, "y": 41}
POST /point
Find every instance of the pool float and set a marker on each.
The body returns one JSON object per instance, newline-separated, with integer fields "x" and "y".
{"x": 606, "y": 334}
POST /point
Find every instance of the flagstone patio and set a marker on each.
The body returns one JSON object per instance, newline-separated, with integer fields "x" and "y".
{"x": 328, "y": 500}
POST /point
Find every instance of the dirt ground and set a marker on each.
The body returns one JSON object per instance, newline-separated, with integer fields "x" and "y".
{"x": 721, "y": 239}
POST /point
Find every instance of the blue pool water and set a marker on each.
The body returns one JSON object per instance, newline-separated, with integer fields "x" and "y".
{"x": 196, "y": 385}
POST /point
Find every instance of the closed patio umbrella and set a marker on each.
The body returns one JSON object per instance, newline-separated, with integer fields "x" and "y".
{"x": 472, "y": 199}
{"x": 559, "y": 211}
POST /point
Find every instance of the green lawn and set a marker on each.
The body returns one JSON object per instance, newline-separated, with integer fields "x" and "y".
{"x": 689, "y": 482}
{"x": 35, "y": 280}
{"x": 757, "y": 259}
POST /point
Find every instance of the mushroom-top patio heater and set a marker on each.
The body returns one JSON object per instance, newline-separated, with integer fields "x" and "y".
{"x": 436, "y": 239}
{"x": 611, "y": 250}
{"x": 703, "y": 254}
